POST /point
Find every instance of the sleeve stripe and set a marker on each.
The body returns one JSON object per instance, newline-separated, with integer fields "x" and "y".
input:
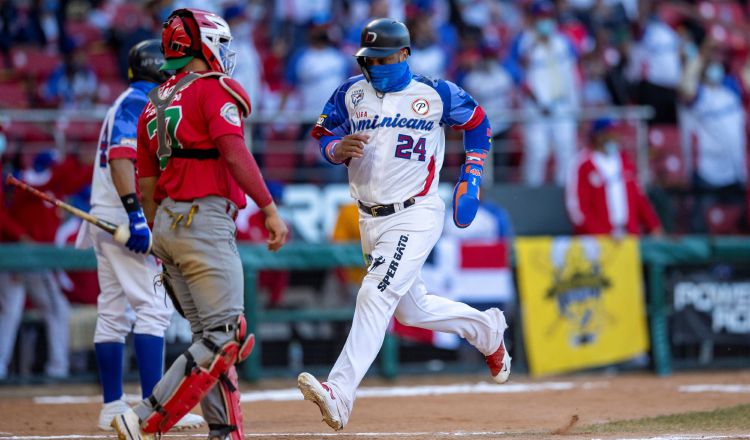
{"x": 476, "y": 118}
{"x": 120, "y": 152}
{"x": 319, "y": 131}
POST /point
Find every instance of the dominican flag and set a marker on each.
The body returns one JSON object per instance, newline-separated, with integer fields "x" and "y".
{"x": 472, "y": 271}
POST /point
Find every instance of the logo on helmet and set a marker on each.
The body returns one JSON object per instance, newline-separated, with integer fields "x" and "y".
{"x": 371, "y": 37}
{"x": 420, "y": 106}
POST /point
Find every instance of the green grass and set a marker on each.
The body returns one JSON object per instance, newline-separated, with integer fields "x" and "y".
{"x": 734, "y": 418}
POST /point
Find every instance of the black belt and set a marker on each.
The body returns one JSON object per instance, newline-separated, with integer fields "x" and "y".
{"x": 383, "y": 210}
{"x": 195, "y": 153}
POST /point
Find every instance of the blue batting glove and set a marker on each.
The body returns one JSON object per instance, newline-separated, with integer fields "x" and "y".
{"x": 466, "y": 195}
{"x": 140, "y": 235}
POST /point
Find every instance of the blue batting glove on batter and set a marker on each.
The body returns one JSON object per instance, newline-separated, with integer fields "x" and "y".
{"x": 466, "y": 195}
{"x": 140, "y": 235}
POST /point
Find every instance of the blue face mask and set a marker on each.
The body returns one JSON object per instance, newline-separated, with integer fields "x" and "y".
{"x": 545, "y": 27}
{"x": 390, "y": 77}
{"x": 714, "y": 73}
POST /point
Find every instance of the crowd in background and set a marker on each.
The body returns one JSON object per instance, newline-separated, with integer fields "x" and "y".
{"x": 534, "y": 65}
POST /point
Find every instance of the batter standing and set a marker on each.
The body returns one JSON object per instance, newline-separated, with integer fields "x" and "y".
{"x": 386, "y": 126}
{"x": 128, "y": 299}
{"x": 194, "y": 173}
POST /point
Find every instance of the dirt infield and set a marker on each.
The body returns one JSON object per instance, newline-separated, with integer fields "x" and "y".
{"x": 524, "y": 409}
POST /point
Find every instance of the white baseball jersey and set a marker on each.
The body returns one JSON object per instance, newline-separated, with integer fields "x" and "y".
{"x": 117, "y": 140}
{"x": 717, "y": 119}
{"x": 407, "y": 143}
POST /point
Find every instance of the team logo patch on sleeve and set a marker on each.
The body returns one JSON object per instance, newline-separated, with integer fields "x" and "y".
{"x": 420, "y": 106}
{"x": 321, "y": 120}
{"x": 231, "y": 114}
{"x": 357, "y": 96}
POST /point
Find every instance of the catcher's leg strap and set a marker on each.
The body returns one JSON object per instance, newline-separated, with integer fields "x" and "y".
{"x": 230, "y": 396}
{"x": 198, "y": 379}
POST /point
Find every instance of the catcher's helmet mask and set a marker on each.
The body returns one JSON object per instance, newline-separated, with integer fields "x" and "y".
{"x": 144, "y": 62}
{"x": 381, "y": 38}
{"x": 191, "y": 33}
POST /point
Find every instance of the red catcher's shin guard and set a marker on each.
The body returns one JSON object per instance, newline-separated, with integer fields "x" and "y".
{"x": 194, "y": 387}
{"x": 230, "y": 393}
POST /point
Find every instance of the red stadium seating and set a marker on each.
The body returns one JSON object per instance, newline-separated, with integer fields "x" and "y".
{"x": 104, "y": 63}
{"x": 30, "y": 132}
{"x": 34, "y": 62}
{"x": 666, "y": 160}
{"x": 83, "y": 32}
{"x": 724, "y": 219}
{"x": 13, "y": 95}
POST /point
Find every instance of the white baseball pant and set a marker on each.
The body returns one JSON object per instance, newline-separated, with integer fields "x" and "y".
{"x": 399, "y": 245}
{"x": 129, "y": 298}
{"x": 547, "y": 136}
{"x": 44, "y": 291}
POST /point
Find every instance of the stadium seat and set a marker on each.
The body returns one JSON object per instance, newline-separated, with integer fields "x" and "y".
{"x": 105, "y": 64}
{"x": 34, "y": 62}
{"x": 30, "y": 132}
{"x": 83, "y": 33}
{"x": 723, "y": 219}
{"x": 13, "y": 94}
{"x": 81, "y": 131}
{"x": 666, "y": 160}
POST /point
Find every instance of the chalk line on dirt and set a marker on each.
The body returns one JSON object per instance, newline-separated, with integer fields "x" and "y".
{"x": 715, "y": 388}
{"x": 289, "y": 394}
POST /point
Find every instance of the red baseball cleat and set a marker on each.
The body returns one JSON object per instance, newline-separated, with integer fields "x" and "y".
{"x": 499, "y": 364}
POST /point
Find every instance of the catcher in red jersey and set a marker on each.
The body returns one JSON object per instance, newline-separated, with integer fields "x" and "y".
{"x": 194, "y": 172}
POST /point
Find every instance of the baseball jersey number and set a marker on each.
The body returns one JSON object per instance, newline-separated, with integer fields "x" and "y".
{"x": 173, "y": 116}
{"x": 406, "y": 147}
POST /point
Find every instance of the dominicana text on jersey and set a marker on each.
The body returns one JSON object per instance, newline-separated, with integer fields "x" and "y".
{"x": 405, "y": 151}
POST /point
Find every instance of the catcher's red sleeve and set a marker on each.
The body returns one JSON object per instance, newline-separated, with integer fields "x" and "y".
{"x": 243, "y": 168}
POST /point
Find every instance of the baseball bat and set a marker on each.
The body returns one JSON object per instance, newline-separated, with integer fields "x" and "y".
{"x": 121, "y": 233}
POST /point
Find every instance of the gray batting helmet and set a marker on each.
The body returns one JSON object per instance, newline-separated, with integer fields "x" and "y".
{"x": 382, "y": 37}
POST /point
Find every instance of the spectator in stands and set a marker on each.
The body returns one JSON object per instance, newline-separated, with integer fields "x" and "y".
{"x": 248, "y": 71}
{"x": 427, "y": 58}
{"x": 10, "y": 231}
{"x": 654, "y": 64}
{"x": 602, "y": 194}
{"x": 316, "y": 69}
{"x": 491, "y": 84}
{"x": 40, "y": 222}
{"x": 73, "y": 85}
{"x": 714, "y": 121}
{"x": 546, "y": 64}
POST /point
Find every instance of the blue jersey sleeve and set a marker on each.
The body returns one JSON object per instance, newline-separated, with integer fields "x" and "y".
{"x": 460, "y": 110}
{"x": 125, "y": 124}
{"x": 333, "y": 123}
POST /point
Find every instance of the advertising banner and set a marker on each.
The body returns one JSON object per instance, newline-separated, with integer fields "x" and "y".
{"x": 582, "y": 302}
{"x": 709, "y": 303}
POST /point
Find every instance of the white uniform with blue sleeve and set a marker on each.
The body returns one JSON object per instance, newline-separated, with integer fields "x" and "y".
{"x": 401, "y": 162}
{"x": 128, "y": 299}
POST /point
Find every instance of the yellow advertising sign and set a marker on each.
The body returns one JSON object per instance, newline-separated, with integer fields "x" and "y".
{"x": 581, "y": 300}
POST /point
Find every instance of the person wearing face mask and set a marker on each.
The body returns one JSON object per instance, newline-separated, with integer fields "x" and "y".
{"x": 713, "y": 120}
{"x": 602, "y": 194}
{"x": 546, "y": 69}
{"x": 386, "y": 127}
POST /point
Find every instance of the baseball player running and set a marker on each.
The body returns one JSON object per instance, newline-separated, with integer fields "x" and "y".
{"x": 194, "y": 172}
{"x": 386, "y": 126}
{"x": 127, "y": 300}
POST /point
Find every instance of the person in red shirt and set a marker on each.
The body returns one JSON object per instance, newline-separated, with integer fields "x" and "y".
{"x": 194, "y": 171}
{"x": 602, "y": 194}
